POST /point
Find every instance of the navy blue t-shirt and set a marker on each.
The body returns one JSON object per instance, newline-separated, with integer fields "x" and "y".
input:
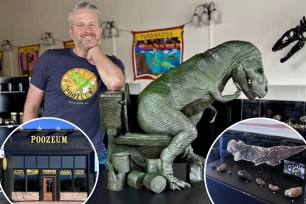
{"x": 71, "y": 89}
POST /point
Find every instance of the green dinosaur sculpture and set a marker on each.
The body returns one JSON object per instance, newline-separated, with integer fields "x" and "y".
{"x": 174, "y": 103}
{"x": 169, "y": 109}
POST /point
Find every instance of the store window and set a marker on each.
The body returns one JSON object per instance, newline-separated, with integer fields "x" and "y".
{"x": 30, "y": 161}
{"x": 17, "y": 162}
{"x": 55, "y": 161}
{"x": 66, "y": 180}
{"x": 32, "y": 180}
{"x": 19, "y": 181}
{"x": 42, "y": 162}
{"x": 67, "y": 162}
{"x": 32, "y": 183}
{"x": 79, "y": 181}
{"x": 80, "y": 162}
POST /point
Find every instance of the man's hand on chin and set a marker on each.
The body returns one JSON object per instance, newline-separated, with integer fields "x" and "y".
{"x": 92, "y": 52}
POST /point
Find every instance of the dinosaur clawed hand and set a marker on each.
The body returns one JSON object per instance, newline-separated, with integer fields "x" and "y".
{"x": 193, "y": 157}
{"x": 174, "y": 183}
{"x": 197, "y": 158}
{"x": 239, "y": 89}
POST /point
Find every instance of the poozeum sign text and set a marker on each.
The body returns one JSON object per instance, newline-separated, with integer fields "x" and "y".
{"x": 52, "y": 139}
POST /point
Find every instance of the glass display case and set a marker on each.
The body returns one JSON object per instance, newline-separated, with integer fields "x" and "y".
{"x": 226, "y": 186}
{"x": 282, "y": 103}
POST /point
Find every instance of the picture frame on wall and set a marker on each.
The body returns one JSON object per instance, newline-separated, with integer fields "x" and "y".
{"x": 27, "y": 58}
{"x": 156, "y": 51}
{"x": 1, "y": 63}
{"x": 69, "y": 44}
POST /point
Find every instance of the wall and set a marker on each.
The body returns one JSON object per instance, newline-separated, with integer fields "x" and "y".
{"x": 258, "y": 21}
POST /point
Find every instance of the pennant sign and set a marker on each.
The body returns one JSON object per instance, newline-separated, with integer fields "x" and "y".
{"x": 27, "y": 58}
{"x": 69, "y": 44}
{"x": 156, "y": 51}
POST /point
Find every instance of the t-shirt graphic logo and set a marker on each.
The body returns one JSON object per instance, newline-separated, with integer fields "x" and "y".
{"x": 79, "y": 83}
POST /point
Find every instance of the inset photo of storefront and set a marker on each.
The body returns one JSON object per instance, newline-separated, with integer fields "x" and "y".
{"x": 48, "y": 159}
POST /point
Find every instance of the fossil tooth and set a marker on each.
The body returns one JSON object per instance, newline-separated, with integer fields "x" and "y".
{"x": 259, "y": 155}
{"x": 222, "y": 167}
{"x": 212, "y": 165}
{"x": 293, "y": 192}
{"x": 277, "y": 117}
{"x": 261, "y": 182}
{"x": 244, "y": 175}
{"x": 273, "y": 188}
{"x": 303, "y": 119}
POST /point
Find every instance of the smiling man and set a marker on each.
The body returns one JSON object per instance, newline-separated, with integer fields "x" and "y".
{"x": 68, "y": 81}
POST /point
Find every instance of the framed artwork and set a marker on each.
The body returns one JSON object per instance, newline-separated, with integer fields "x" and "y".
{"x": 27, "y": 58}
{"x": 69, "y": 44}
{"x": 156, "y": 51}
{"x": 1, "y": 63}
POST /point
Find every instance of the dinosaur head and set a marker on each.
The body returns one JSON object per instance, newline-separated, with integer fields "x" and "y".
{"x": 249, "y": 74}
{"x": 75, "y": 75}
{"x": 290, "y": 36}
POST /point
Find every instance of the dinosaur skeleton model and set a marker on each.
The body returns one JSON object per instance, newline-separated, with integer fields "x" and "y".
{"x": 294, "y": 34}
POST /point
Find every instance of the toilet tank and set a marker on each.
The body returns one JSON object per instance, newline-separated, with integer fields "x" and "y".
{"x": 110, "y": 107}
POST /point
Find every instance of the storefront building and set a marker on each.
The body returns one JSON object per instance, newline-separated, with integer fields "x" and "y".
{"x": 48, "y": 165}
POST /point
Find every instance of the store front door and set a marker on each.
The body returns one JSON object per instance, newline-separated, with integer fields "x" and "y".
{"x": 49, "y": 188}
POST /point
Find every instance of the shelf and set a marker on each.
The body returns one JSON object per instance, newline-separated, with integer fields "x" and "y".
{"x": 9, "y": 126}
{"x": 11, "y": 92}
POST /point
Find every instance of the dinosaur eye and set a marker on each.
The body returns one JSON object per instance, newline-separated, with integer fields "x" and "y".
{"x": 260, "y": 70}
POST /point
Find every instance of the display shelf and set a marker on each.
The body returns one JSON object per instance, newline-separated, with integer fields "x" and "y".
{"x": 196, "y": 194}
{"x": 289, "y": 112}
{"x": 9, "y": 126}
{"x": 254, "y": 192}
{"x": 12, "y": 92}
{"x": 11, "y": 101}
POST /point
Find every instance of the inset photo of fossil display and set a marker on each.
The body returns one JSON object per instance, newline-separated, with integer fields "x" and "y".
{"x": 257, "y": 160}
{"x": 48, "y": 159}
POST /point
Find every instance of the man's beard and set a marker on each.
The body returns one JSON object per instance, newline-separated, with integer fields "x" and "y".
{"x": 78, "y": 43}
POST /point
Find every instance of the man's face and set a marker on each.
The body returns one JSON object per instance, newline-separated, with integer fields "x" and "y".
{"x": 85, "y": 29}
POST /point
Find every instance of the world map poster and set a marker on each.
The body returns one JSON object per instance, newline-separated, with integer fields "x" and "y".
{"x": 156, "y": 51}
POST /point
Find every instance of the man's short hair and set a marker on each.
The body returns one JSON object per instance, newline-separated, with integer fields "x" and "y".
{"x": 87, "y": 5}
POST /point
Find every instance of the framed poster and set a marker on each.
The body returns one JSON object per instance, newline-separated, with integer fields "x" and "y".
{"x": 156, "y": 51}
{"x": 27, "y": 58}
{"x": 69, "y": 44}
{"x": 1, "y": 63}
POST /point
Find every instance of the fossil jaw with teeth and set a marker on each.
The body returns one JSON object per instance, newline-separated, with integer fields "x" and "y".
{"x": 259, "y": 155}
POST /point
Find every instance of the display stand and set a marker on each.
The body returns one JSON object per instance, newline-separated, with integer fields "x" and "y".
{"x": 194, "y": 195}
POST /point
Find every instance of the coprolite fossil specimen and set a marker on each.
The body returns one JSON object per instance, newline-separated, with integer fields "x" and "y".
{"x": 259, "y": 155}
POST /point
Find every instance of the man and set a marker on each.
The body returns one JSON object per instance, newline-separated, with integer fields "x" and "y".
{"x": 69, "y": 80}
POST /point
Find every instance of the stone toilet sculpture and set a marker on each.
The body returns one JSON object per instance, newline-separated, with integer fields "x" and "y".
{"x": 184, "y": 92}
{"x": 133, "y": 158}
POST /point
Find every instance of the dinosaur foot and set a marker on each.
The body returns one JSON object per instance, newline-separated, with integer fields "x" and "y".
{"x": 175, "y": 184}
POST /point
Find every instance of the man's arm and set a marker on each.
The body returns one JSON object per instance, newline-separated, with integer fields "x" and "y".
{"x": 110, "y": 73}
{"x": 32, "y": 104}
